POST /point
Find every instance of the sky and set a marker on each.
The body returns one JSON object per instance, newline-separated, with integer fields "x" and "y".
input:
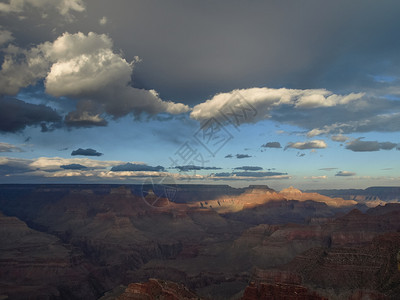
{"x": 281, "y": 93}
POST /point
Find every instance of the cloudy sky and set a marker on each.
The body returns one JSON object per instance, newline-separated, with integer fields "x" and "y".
{"x": 302, "y": 93}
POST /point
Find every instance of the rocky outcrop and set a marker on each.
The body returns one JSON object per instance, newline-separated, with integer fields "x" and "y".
{"x": 157, "y": 289}
{"x": 277, "y": 284}
{"x": 292, "y": 193}
{"x": 279, "y": 291}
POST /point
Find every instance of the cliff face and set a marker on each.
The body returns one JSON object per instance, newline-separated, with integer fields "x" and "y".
{"x": 37, "y": 265}
{"x": 353, "y": 271}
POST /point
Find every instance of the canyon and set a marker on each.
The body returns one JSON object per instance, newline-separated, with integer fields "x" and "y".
{"x": 115, "y": 241}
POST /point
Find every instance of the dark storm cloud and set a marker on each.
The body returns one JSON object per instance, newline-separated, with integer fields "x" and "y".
{"x": 15, "y": 115}
{"x": 136, "y": 168}
{"x": 369, "y": 146}
{"x": 193, "y": 167}
{"x": 242, "y": 156}
{"x": 272, "y": 145}
{"x": 296, "y": 52}
{"x": 249, "y": 168}
{"x": 345, "y": 174}
{"x": 86, "y": 152}
{"x": 73, "y": 167}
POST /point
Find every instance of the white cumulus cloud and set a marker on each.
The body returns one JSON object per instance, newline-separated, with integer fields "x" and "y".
{"x": 315, "y": 144}
{"x": 264, "y": 100}
{"x": 83, "y": 67}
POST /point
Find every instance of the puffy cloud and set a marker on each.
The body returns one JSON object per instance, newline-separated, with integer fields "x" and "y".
{"x": 86, "y": 152}
{"x": 63, "y": 7}
{"x": 339, "y": 138}
{"x": 368, "y": 146}
{"x": 135, "y": 168}
{"x": 5, "y": 147}
{"x": 345, "y": 173}
{"x": 15, "y": 115}
{"x": 315, "y": 144}
{"x": 263, "y": 100}
{"x": 103, "y": 21}
{"x": 21, "y": 68}
{"x": 272, "y": 145}
{"x": 249, "y": 168}
{"x": 83, "y": 67}
{"x": 5, "y": 36}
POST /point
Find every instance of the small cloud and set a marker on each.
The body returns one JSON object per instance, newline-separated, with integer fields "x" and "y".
{"x": 339, "y": 138}
{"x": 315, "y": 144}
{"x": 327, "y": 169}
{"x": 193, "y": 167}
{"x": 5, "y": 147}
{"x": 248, "y": 168}
{"x": 103, "y": 21}
{"x": 345, "y": 173}
{"x": 242, "y": 156}
{"x": 316, "y": 177}
{"x": 86, "y": 152}
{"x": 73, "y": 167}
{"x": 229, "y": 156}
{"x": 300, "y": 154}
{"x": 272, "y": 145}
{"x": 369, "y": 146}
{"x": 136, "y": 168}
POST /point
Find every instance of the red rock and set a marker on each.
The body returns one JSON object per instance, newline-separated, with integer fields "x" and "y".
{"x": 157, "y": 289}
